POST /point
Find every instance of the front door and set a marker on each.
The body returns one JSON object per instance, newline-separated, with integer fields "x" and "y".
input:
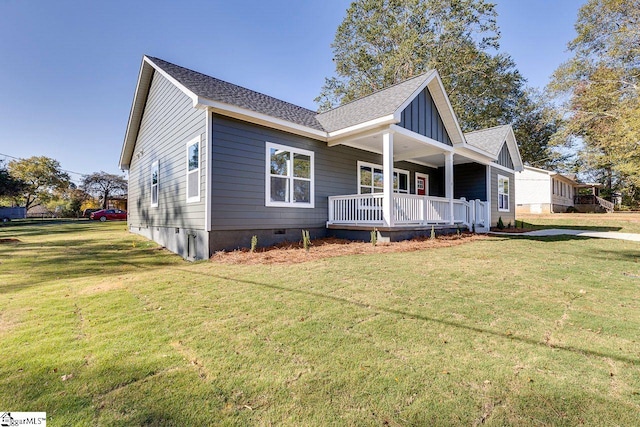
{"x": 422, "y": 184}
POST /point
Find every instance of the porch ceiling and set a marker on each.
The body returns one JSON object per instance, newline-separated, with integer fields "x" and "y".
{"x": 405, "y": 148}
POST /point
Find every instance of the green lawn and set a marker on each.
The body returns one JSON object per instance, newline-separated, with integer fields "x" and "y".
{"x": 100, "y": 328}
{"x": 625, "y": 222}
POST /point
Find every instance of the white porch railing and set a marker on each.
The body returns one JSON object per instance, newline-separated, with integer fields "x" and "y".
{"x": 408, "y": 209}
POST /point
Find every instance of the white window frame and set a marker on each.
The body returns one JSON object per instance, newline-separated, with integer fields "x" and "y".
{"x": 190, "y": 144}
{"x": 395, "y": 171}
{"x": 291, "y": 203}
{"x": 501, "y": 193}
{"x": 155, "y": 168}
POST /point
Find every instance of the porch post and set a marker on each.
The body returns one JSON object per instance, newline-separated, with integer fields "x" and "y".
{"x": 387, "y": 170}
{"x": 448, "y": 183}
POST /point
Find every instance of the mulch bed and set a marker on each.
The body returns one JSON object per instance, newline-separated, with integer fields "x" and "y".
{"x": 293, "y": 253}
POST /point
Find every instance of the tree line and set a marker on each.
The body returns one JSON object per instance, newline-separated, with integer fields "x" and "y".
{"x": 586, "y": 121}
{"x": 39, "y": 181}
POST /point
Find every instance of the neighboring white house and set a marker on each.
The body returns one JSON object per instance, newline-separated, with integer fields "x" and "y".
{"x": 540, "y": 191}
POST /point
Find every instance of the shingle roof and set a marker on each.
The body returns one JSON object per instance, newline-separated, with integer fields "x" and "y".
{"x": 489, "y": 140}
{"x": 378, "y": 104}
{"x": 220, "y": 91}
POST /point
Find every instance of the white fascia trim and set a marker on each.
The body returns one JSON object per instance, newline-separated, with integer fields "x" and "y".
{"x": 424, "y": 84}
{"x": 421, "y": 138}
{"x": 179, "y": 85}
{"x": 512, "y": 145}
{"x": 128, "y": 143}
{"x": 470, "y": 147}
{"x": 503, "y": 168}
{"x": 380, "y": 121}
{"x": 475, "y": 156}
{"x": 259, "y": 118}
{"x": 450, "y": 108}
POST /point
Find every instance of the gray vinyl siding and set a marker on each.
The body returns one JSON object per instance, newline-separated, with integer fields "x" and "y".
{"x": 470, "y": 181}
{"x": 507, "y": 217}
{"x": 421, "y": 116}
{"x": 504, "y": 158}
{"x": 238, "y": 177}
{"x": 169, "y": 121}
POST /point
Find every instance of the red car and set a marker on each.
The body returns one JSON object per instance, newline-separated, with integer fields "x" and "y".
{"x": 109, "y": 214}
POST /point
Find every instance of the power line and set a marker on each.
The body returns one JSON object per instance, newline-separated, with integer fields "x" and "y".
{"x": 63, "y": 170}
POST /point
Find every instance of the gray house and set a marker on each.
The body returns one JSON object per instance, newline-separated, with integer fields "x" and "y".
{"x": 212, "y": 164}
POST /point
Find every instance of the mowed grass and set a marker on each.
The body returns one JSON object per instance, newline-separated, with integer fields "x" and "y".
{"x": 624, "y": 222}
{"x": 100, "y": 328}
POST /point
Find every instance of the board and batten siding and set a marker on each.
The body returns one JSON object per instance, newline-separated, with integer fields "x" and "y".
{"x": 470, "y": 181}
{"x": 507, "y": 217}
{"x": 504, "y": 158}
{"x": 422, "y": 117}
{"x": 238, "y": 177}
{"x": 168, "y": 123}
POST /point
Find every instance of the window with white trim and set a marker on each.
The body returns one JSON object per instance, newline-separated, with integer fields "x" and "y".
{"x": 155, "y": 178}
{"x": 193, "y": 170}
{"x": 503, "y": 193}
{"x": 371, "y": 179}
{"x": 289, "y": 177}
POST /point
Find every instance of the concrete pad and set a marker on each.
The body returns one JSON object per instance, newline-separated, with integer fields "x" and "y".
{"x": 634, "y": 237}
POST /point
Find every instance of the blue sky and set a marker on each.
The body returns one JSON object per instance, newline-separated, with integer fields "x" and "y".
{"x": 68, "y": 69}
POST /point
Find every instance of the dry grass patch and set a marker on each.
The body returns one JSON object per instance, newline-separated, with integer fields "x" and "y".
{"x": 293, "y": 253}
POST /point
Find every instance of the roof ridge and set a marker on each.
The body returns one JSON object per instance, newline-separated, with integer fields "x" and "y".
{"x": 486, "y": 129}
{"x": 378, "y": 91}
{"x": 152, "y": 58}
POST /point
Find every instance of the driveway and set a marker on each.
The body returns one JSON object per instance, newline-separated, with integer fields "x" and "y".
{"x": 582, "y": 233}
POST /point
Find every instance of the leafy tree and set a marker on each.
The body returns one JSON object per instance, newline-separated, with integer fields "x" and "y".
{"x": 9, "y": 186}
{"x": 41, "y": 177}
{"x": 600, "y": 86}
{"x": 103, "y": 185}
{"x": 383, "y": 42}
{"x": 68, "y": 202}
{"x": 536, "y": 122}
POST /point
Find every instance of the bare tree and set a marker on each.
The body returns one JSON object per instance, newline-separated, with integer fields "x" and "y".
{"x": 104, "y": 185}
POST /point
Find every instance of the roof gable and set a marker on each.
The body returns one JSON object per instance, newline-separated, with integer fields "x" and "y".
{"x": 382, "y": 103}
{"x": 493, "y": 140}
{"x": 389, "y": 103}
{"x": 422, "y": 117}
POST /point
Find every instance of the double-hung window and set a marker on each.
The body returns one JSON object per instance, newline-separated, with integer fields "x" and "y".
{"x": 155, "y": 171}
{"x": 289, "y": 177}
{"x": 371, "y": 179}
{"x": 503, "y": 193}
{"x": 193, "y": 170}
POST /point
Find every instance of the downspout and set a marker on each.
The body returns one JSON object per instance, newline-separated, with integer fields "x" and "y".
{"x": 209, "y": 177}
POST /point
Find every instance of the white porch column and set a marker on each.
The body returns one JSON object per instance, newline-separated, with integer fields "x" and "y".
{"x": 387, "y": 170}
{"x": 448, "y": 183}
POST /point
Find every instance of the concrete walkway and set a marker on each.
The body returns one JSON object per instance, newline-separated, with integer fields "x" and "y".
{"x": 634, "y": 237}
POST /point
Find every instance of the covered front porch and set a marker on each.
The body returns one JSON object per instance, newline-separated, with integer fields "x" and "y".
{"x": 408, "y": 210}
{"x": 390, "y": 197}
